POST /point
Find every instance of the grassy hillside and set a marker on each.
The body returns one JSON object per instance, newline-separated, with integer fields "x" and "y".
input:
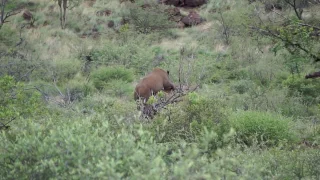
{"x": 67, "y": 109}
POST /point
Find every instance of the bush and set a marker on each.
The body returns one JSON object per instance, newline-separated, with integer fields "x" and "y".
{"x": 276, "y": 163}
{"x": 77, "y": 91}
{"x": 135, "y": 52}
{"x": 242, "y": 86}
{"x": 21, "y": 66}
{"x": 150, "y": 19}
{"x": 308, "y": 88}
{"x": 264, "y": 127}
{"x": 119, "y": 88}
{"x": 78, "y": 149}
{"x": 104, "y": 75}
{"x": 8, "y": 37}
{"x": 64, "y": 70}
{"x": 112, "y": 106}
{"x": 188, "y": 119}
{"x": 16, "y": 102}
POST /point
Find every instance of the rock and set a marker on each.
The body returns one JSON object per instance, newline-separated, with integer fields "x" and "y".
{"x": 184, "y": 3}
{"x": 194, "y": 3}
{"x": 111, "y": 24}
{"x": 171, "y": 2}
{"x": 27, "y": 15}
{"x": 193, "y": 18}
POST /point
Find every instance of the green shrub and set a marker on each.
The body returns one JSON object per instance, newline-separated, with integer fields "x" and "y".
{"x": 294, "y": 164}
{"x": 276, "y": 163}
{"x": 76, "y": 91}
{"x": 119, "y": 88}
{"x": 64, "y": 70}
{"x": 8, "y": 37}
{"x": 112, "y": 106}
{"x": 308, "y": 88}
{"x": 149, "y": 19}
{"x": 242, "y": 86}
{"x": 188, "y": 119}
{"x": 135, "y": 52}
{"x": 104, "y": 75}
{"x": 16, "y": 102}
{"x": 23, "y": 67}
{"x": 77, "y": 148}
{"x": 262, "y": 126}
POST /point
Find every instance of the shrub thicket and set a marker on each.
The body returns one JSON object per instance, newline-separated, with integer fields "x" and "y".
{"x": 16, "y": 102}
{"x": 264, "y": 127}
{"x": 104, "y": 76}
{"x": 188, "y": 119}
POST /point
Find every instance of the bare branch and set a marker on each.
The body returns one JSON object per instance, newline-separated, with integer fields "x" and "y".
{"x": 298, "y": 11}
{"x": 294, "y": 44}
{"x": 5, "y": 15}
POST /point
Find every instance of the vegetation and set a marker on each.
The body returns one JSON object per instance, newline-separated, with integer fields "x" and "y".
{"x": 66, "y": 90}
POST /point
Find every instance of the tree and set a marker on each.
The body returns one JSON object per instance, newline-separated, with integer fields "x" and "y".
{"x": 64, "y": 5}
{"x": 63, "y": 9}
{"x": 7, "y": 9}
{"x": 291, "y": 32}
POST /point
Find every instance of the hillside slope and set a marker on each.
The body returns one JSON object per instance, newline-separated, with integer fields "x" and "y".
{"x": 67, "y": 107}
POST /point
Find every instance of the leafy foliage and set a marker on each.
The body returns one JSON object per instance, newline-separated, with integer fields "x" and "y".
{"x": 309, "y": 89}
{"x": 149, "y": 19}
{"x": 253, "y": 116}
{"x": 103, "y": 77}
{"x": 187, "y": 121}
{"x": 263, "y": 127}
{"x": 16, "y": 102}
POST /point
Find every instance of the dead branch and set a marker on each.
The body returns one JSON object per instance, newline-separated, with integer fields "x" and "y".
{"x": 297, "y": 10}
{"x": 150, "y": 110}
{"x": 5, "y": 125}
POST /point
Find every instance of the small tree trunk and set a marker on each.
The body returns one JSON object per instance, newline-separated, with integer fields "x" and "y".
{"x": 63, "y": 11}
{"x": 3, "y": 2}
{"x": 60, "y": 7}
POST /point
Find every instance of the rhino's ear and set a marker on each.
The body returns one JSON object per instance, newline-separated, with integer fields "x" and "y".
{"x": 168, "y": 72}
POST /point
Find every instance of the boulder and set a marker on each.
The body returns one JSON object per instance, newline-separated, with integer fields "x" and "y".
{"x": 111, "y": 24}
{"x": 171, "y": 2}
{"x": 184, "y": 3}
{"x": 27, "y": 15}
{"x": 193, "y": 18}
{"x": 194, "y": 3}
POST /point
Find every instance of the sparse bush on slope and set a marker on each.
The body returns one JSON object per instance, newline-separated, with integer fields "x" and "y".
{"x": 104, "y": 77}
{"x": 99, "y": 135}
{"x": 17, "y": 102}
{"x": 188, "y": 119}
{"x": 263, "y": 127}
